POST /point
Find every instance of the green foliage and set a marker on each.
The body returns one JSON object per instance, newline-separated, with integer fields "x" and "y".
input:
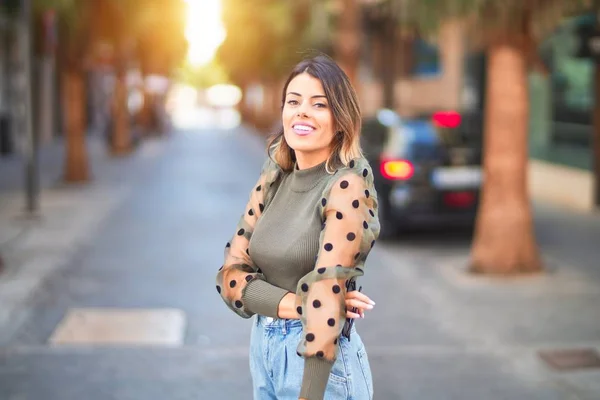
{"x": 490, "y": 16}
{"x": 264, "y": 37}
{"x": 203, "y": 76}
{"x": 159, "y": 32}
{"x": 151, "y": 31}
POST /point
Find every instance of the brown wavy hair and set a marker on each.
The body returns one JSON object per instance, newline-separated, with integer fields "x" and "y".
{"x": 344, "y": 107}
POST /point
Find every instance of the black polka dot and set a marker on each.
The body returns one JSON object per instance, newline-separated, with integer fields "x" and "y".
{"x": 320, "y": 354}
{"x": 316, "y": 304}
{"x": 335, "y": 341}
{"x": 336, "y": 289}
{"x": 323, "y": 201}
{"x": 338, "y": 265}
{"x": 310, "y": 337}
{"x": 261, "y": 207}
{"x": 331, "y": 322}
{"x": 228, "y": 245}
{"x": 241, "y": 232}
{"x": 238, "y": 304}
{"x": 321, "y": 270}
{"x": 247, "y": 252}
{"x": 355, "y": 204}
{"x": 372, "y": 244}
{"x": 367, "y": 194}
{"x": 356, "y": 256}
{"x": 351, "y": 236}
{"x": 344, "y": 184}
{"x": 328, "y": 247}
{"x": 258, "y": 188}
{"x": 299, "y": 310}
{"x": 218, "y": 288}
{"x": 250, "y": 212}
{"x": 365, "y": 172}
{"x": 232, "y": 284}
{"x": 339, "y": 215}
{"x": 248, "y": 278}
{"x": 304, "y": 287}
{"x": 365, "y": 225}
{"x": 372, "y": 213}
{"x": 351, "y": 164}
{"x": 322, "y": 226}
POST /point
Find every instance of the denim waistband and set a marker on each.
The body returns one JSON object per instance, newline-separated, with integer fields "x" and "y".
{"x": 284, "y": 325}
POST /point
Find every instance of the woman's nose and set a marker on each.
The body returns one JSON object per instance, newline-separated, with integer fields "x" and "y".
{"x": 303, "y": 110}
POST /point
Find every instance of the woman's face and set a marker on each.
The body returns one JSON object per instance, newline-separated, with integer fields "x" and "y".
{"x": 308, "y": 123}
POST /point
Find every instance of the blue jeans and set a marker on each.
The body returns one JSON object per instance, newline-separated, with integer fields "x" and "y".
{"x": 277, "y": 370}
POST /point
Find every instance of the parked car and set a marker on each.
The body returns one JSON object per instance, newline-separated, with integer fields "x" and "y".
{"x": 427, "y": 170}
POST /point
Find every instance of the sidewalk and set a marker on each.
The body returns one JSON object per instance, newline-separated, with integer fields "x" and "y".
{"x": 34, "y": 248}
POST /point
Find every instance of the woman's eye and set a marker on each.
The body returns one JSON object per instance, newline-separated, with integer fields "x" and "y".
{"x": 292, "y": 102}
{"x": 321, "y": 105}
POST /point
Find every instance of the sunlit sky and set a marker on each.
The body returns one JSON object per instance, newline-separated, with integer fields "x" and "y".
{"x": 204, "y": 30}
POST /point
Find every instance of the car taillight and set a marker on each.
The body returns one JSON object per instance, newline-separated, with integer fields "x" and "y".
{"x": 446, "y": 119}
{"x": 459, "y": 199}
{"x": 397, "y": 169}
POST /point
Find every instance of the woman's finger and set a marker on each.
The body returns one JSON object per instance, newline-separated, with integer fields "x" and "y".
{"x": 354, "y": 303}
{"x": 352, "y": 315}
{"x": 359, "y": 296}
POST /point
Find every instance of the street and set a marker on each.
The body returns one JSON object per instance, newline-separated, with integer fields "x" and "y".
{"x": 149, "y": 238}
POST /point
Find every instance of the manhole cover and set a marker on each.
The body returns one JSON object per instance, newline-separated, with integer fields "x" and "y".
{"x": 571, "y": 359}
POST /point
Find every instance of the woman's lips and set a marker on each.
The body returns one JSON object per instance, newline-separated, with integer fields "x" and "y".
{"x": 303, "y": 129}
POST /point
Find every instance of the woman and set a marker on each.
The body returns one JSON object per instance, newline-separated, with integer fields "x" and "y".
{"x": 305, "y": 233}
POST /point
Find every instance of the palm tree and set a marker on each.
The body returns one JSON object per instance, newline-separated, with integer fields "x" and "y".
{"x": 347, "y": 38}
{"x": 150, "y": 33}
{"x": 73, "y": 18}
{"x": 508, "y": 30}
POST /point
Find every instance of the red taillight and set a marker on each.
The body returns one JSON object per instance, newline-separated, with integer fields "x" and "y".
{"x": 459, "y": 199}
{"x": 447, "y": 119}
{"x": 397, "y": 169}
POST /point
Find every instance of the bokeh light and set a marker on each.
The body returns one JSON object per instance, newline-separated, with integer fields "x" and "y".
{"x": 204, "y": 30}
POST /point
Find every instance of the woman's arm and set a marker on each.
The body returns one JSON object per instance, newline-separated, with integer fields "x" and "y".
{"x": 240, "y": 282}
{"x": 288, "y": 308}
{"x": 349, "y": 207}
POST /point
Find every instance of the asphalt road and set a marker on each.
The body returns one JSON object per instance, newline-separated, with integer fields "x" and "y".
{"x": 435, "y": 333}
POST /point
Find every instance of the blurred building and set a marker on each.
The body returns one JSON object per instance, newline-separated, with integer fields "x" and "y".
{"x": 561, "y": 119}
{"x": 443, "y": 75}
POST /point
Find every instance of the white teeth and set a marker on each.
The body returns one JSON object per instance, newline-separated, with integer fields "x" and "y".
{"x": 303, "y": 128}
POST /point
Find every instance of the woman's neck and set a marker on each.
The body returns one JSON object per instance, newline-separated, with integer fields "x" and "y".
{"x": 308, "y": 160}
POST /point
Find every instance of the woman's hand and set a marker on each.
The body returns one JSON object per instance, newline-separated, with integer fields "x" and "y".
{"x": 360, "y": 301}
{"x": 354, "y": 299}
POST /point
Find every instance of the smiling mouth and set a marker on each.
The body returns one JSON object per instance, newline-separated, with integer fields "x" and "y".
{"x": 303, "y": 129}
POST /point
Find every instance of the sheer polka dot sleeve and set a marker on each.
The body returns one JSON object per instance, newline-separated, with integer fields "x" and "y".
{"x": 238, "y": 269}
{"x": 351, "y": 226}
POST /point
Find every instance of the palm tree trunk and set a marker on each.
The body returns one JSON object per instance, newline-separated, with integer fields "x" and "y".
{"x": 347, "y": 41}
{"x": 121, "y": 135}
{"x": 504, "y": 240}
{"x": 76, "y": 167}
